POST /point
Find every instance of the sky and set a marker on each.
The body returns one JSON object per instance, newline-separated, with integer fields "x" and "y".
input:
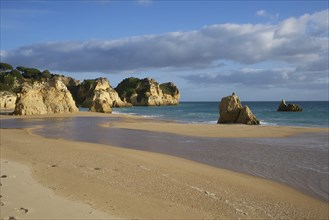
{"x": 261, "y": 50}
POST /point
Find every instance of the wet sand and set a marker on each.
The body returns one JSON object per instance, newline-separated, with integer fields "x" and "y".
{"x": 300, "y": 161}
{"x": 135, "y": 184}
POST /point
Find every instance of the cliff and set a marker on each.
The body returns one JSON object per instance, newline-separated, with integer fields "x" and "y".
{"x": 7, "y": 100}
{"x": 98, "y": 95}
{"x": 147, "y": 92}
{"x": 44, "y": 98}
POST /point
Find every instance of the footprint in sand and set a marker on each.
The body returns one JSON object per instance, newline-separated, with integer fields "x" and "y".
{"x": 23, "y": 210}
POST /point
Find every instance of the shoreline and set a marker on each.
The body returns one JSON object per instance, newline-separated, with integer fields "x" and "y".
{"x": 13, "y": 149}
{"x": 135, "y": 122}
{"x": 130, "y": 180}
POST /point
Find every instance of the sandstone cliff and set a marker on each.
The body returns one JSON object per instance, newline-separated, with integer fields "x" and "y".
{"x": 283, "y": 107}
{"x": 147, "y": 92}
{"x": 98, "y": 95}
{"x": 44, "y": 98}
{"x": 232, "y": 111}
{"x": 7, "y": 100}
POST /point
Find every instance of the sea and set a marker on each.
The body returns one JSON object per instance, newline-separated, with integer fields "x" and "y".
{"x": 314, "y": 114}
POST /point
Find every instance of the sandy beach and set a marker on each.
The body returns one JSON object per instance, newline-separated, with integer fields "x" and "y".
{"x": 108, "y": 181}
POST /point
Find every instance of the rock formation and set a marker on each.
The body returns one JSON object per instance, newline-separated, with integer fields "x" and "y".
{"x": 98, "y": 95}
{"x": 232, "y": 111}
{"x": 283, "y": 107}
{"x": 147, "y": 92}
{"x": 7, "y": 100}
{"x": 100, "y": 104}
{"x": 44, "y": 98}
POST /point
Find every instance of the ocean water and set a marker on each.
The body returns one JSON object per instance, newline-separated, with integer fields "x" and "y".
{"x": 314, "y": 114}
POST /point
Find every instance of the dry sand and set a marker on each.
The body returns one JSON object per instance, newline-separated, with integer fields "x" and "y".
{"x": 22, "y": 197}
{"x": 135, "y": 184}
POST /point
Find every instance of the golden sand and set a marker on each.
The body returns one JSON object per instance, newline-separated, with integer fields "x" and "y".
{"x": 128, "y": 183}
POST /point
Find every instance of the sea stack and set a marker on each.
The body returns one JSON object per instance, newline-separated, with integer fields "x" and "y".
{"x": 98, "y": 95}
{"x": 147, "y": 92}
{"x": 283, "y": 107}
{"x": 232, "y": 111}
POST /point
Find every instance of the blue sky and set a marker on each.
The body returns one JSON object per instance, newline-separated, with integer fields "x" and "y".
{"x": 262, "y": 50}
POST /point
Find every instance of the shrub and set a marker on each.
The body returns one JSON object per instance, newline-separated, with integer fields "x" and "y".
{"x": 169, "y": 88}
{"x": 4, "y": 87}
{"x": 30, "y": 73}
{"x": 46, "y": 74}
{"x": 16, "y": 74}
{"x": 5, "y": 66}
{"x": 9, "y": 80}
{"x": 128, "y": 86}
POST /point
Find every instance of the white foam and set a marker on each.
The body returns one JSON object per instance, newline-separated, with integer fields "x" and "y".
{"x": 267, "y": 123}
{"x": 123, "y": 113}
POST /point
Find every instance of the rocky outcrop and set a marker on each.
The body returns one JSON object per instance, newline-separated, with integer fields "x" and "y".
{"x": 148, "y": 92}
{"x": 232, "y": 111}
{"x": 170, "y": 93}
{"x": 247, "y": 117}
{"x": 44, "y": 98}
{"x": 98, "y": 95}
{"x": 100, "y": 104}
{"x": 7, "y": 100}
{"x": 283, "y": 107}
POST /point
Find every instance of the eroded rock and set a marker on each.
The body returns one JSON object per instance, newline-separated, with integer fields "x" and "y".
{"x": 148, "y": 92}
{"x": 283, "y": 107}
{"x": 44, "y": 98}
{"x": 232, "y": 111}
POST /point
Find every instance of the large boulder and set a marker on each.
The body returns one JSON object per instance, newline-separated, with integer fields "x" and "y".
{"x": 232, "y": 111}
{"x": 7, "y": 100}
{"x": 283, "y": 107}
{"x": 44, "y": 98}
{"x": 229, "y": 109}
{"x": 148, "y": 92}
{"x": 99, "y": 96}
{"x": 247, "y": 117}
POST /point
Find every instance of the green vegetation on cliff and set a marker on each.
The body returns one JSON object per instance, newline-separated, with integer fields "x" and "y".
{"x": 169, "y": 88}
{"x": 5, "y": 66}
{"x": 11, "y": 79}
{"x": 128, "y": 87}
{"x": 131, "y": 91}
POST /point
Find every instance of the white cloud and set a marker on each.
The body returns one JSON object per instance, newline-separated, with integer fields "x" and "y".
{"x": 299, "y": 42}
{"x": 261, "y": 13}
{"x": 265, "y": 14}
{"x": 263, "y": 78}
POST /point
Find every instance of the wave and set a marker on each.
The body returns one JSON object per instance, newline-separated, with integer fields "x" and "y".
{"x": 262, "y": 122}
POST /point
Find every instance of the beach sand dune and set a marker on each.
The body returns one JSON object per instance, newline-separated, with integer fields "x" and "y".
{"x": 134, "y": 184}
